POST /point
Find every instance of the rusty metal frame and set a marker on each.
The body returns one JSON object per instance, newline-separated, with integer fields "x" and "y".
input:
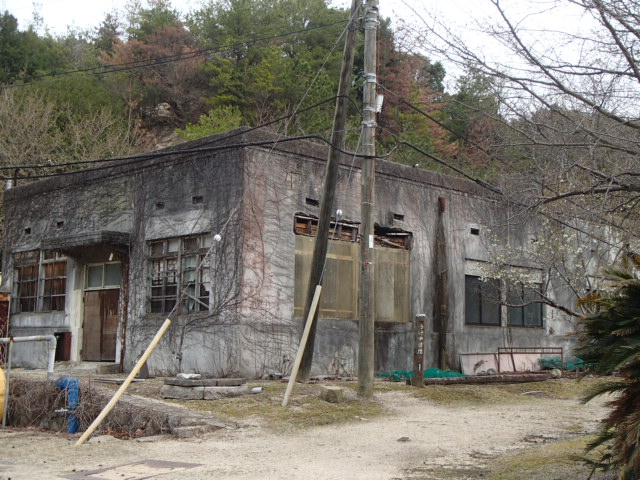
{"x": 525, "y": 350}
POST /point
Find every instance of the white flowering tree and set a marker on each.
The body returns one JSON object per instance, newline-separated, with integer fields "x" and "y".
{"x": 559, "y": 263}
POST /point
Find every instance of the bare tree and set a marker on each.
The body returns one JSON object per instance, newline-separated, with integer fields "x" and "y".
{"x": 39, "y": 137}
{"x": 566, "y": 134}
{"x": 568, "y": 117}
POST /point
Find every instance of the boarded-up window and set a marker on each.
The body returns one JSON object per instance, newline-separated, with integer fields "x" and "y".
{"x": 339, "y": 298}
{"x": 392, "y": 283}
{"x": 180, "y": 274}
{"x": 340, "y": 286}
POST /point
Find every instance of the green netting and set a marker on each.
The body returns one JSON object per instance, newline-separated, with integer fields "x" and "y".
{"x": 570, "y": 365}
{"x": 402, "y": 375}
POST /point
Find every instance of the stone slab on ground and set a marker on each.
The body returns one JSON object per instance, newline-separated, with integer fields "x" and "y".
{"x": 185, "y": 382}
{"x": 205, "y": 382}
{"x": 230, "y": 382}
{"x": 182, "y": 393}
{"x": 214, "y": 393}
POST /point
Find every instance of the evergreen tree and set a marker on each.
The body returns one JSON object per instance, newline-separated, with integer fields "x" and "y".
{"x": 610, "y": 344}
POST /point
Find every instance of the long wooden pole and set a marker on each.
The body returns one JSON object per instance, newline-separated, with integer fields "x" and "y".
{"x": 321, "y": 246}
{"x": 125, "y": 385}
{"x": 366, "y": 356}
{"x": 303, "y": 342}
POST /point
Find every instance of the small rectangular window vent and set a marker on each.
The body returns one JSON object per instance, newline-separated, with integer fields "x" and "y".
{"x": 160, "y": 206}
{"x": 27, "y": 231}
{"x": 197, "y": 199}
{"x": 312, "y": 201}
{"x": 475, "y": 230}
{"x": 60, "y": 224}
{"x": 398, "y": 217}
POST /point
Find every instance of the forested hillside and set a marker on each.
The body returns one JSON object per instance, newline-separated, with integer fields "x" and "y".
{"x": 145, "y": 73}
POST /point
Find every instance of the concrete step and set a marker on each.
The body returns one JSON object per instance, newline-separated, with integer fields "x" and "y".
{"x": 71, "y": 369}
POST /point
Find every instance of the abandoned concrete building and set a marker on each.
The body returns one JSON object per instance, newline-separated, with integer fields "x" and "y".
{"x": 219, "y": 232}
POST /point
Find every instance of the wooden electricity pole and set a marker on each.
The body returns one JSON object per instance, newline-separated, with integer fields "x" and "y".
{"x": 331, "y": 179}
{"x": 366, "y": 357}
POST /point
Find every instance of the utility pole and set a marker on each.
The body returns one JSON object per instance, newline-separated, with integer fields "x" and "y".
{"x": 318, "y": 260}
{"x": 366, "y": 357}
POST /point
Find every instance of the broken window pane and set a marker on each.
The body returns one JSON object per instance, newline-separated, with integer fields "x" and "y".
{"x": 180, "y": 277}
{"x": 156, "y": 248}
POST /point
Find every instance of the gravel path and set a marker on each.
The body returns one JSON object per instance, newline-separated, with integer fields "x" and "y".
{"x": 416, "y": 438}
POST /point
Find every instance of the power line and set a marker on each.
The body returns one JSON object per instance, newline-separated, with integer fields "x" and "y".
{"x": 172, "y": 153}
{"x": 149, "y": 156}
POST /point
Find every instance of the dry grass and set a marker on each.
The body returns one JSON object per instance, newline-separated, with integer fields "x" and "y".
{"x": 36, "y": 403}
{"x": 505, "y": 394}
{"x": 553, "y": 461}
{"x": 305, "y": 408}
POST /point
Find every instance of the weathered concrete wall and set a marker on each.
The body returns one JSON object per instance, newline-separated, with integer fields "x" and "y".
{"x": 250, "y": 196}
{"x": 278, "y": 189}
{"x": 198, "y": 194}
{"x": 56, "y": 212}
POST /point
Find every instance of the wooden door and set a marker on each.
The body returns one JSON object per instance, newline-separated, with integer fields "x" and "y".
{"x": 101, "y": 316}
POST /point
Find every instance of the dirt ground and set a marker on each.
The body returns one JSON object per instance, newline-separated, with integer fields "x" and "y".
{"x": 416, "y": 439}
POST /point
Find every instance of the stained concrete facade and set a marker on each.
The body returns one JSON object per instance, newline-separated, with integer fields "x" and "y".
{"x": 248, "y": 189}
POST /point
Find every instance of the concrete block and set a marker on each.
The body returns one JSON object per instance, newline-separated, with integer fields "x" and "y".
{"x": 205, "y": 382}
{"x": 214, "y": 393}
{"x": 332, "y": 394}
{"x": 186, "y": 382}
{"x": 230, "y": 382}
{"x": 182, "y": 393}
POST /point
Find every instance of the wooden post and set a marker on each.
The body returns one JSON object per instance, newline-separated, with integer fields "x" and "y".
{"x": 366, "y": 354}
{"x": 125, "y": 385}
{"x": 441, "y": 287}
{"x": 418, "y": 352}
{"x": 321, "y": 246}
{"x": 303, "y": 342}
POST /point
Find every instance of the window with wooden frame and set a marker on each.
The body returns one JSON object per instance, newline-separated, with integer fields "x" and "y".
{"x": 40, "y": 281}
{"x": 54, "y": 280}
{"x": 26, "y": 281}
{"x": 180, "y": 274}
{"x": 103, "y": 275}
